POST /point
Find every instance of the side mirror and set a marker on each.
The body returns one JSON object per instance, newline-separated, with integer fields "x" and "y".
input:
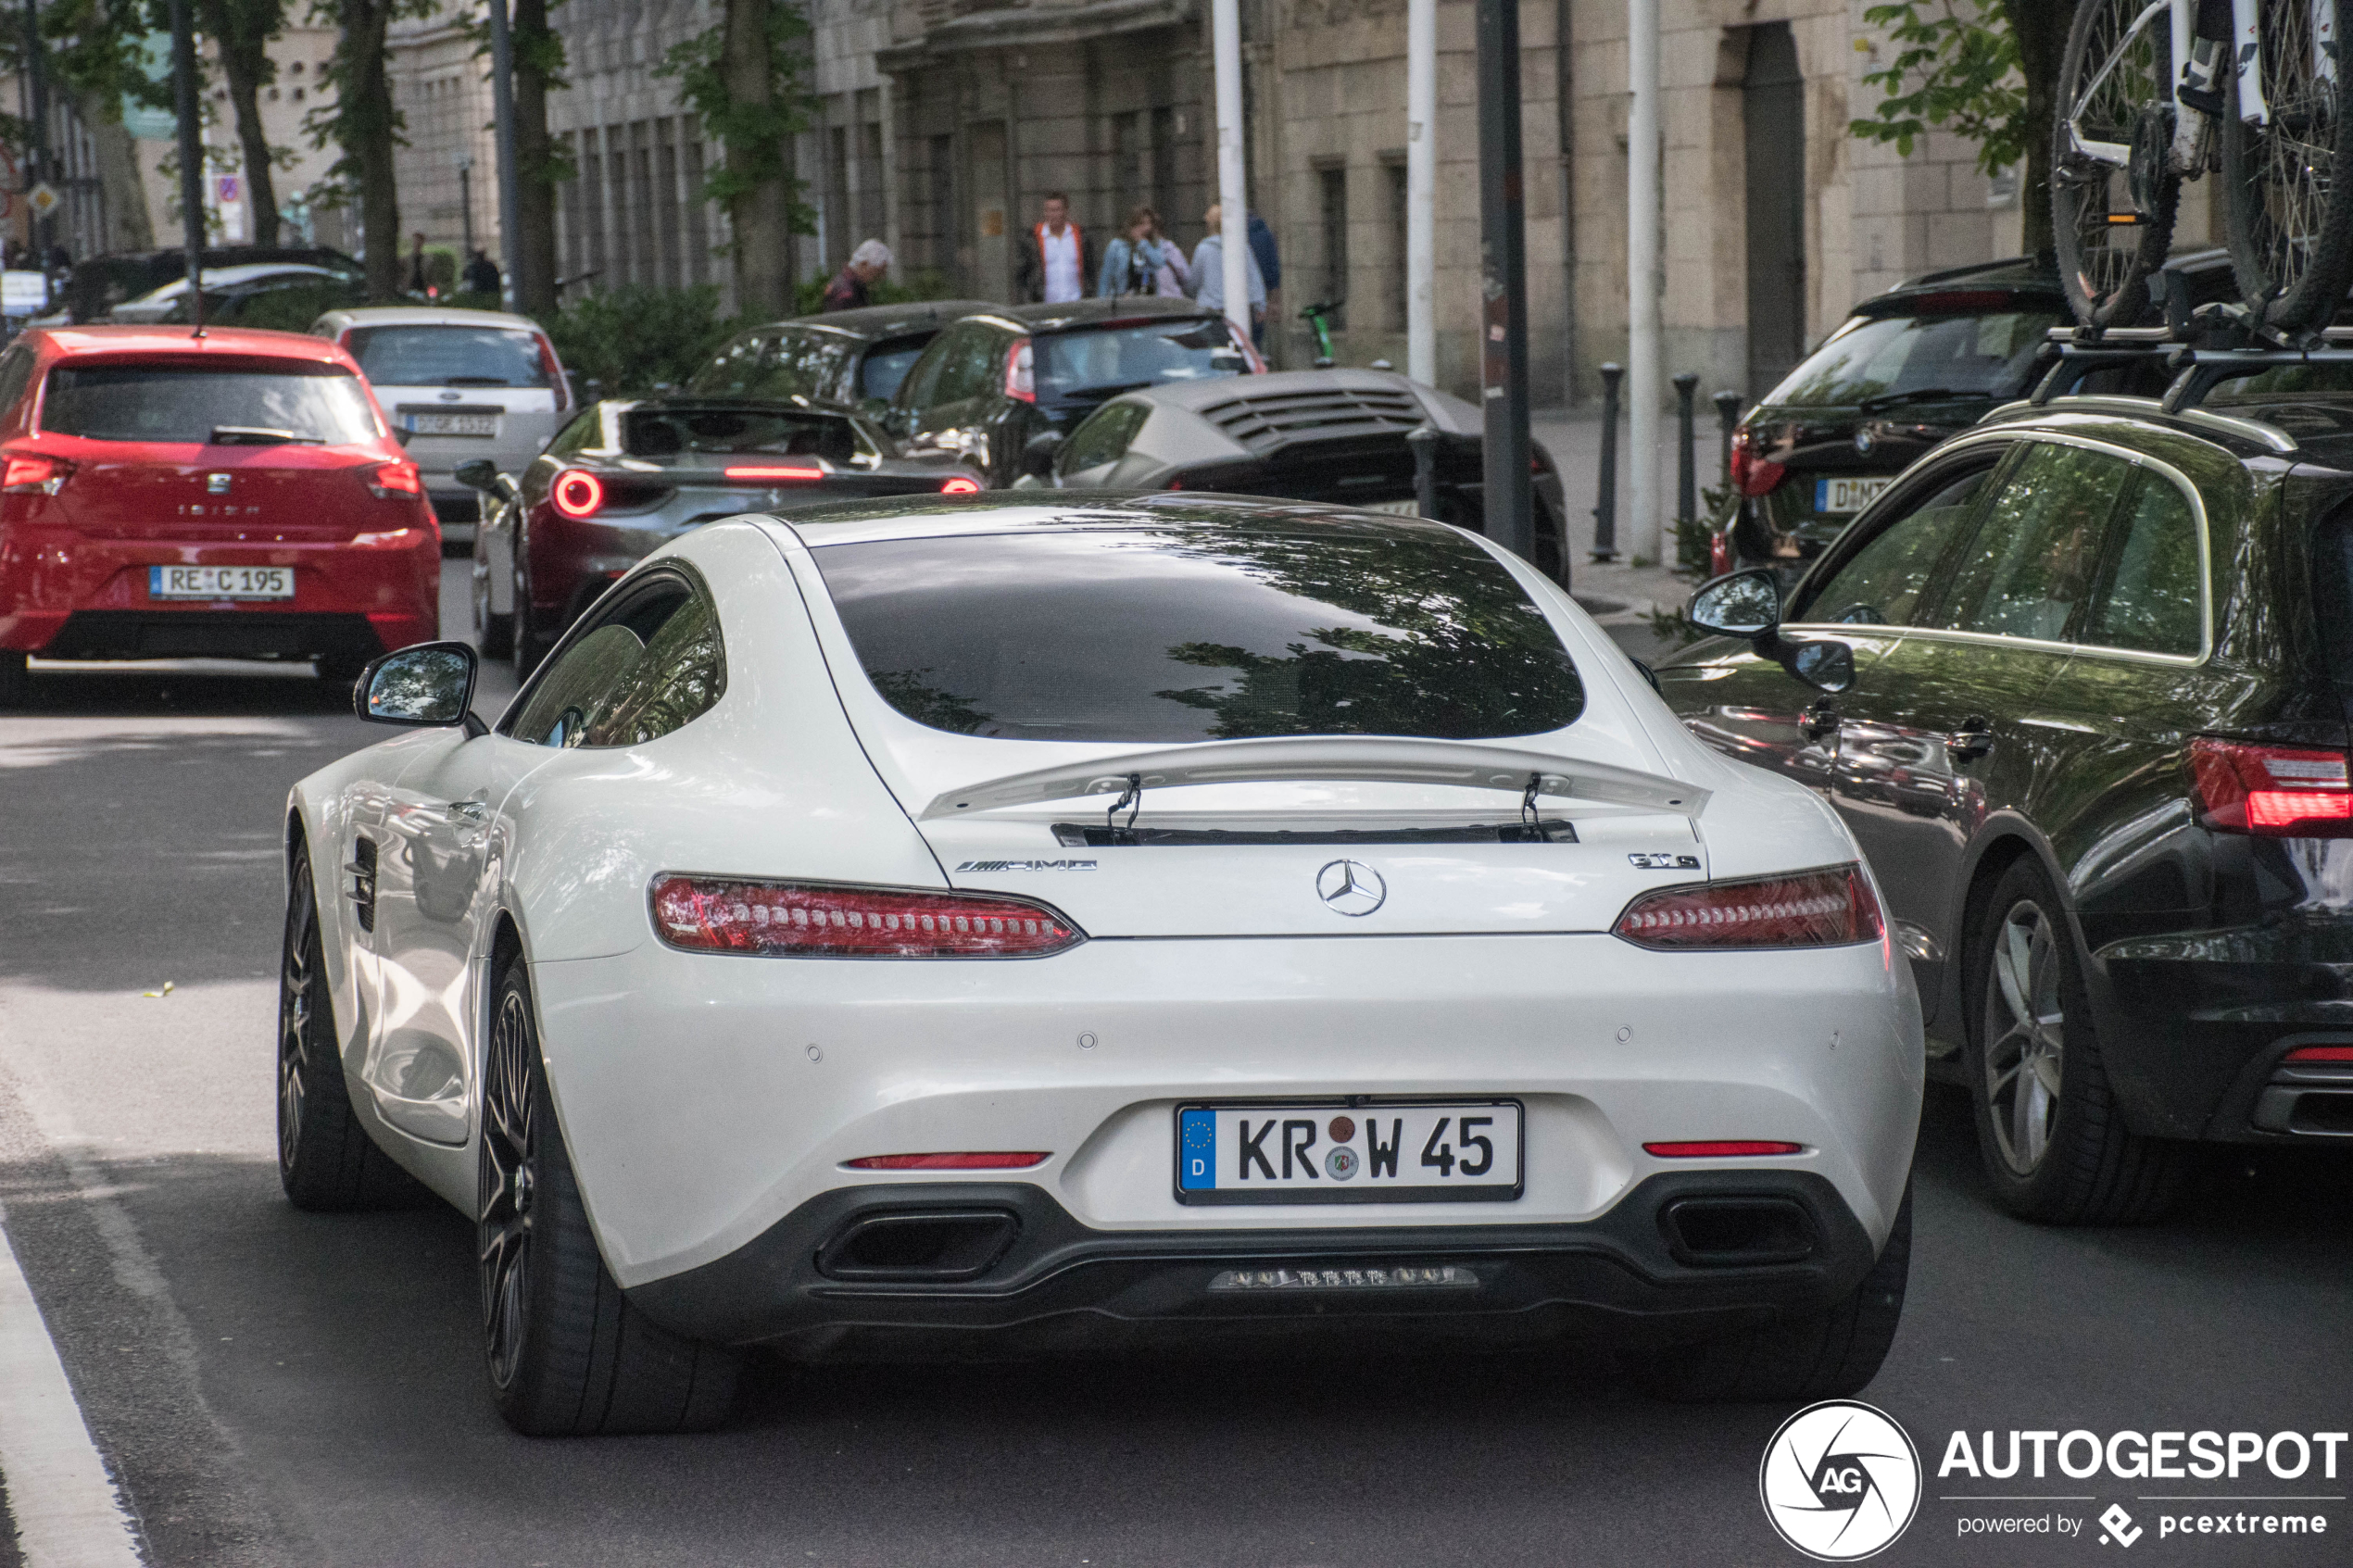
{"x": 403, "y": 434}
{"x": 476, "y": 473}
{"x": 427, "y": 684}
{"x": 1037, "y": 453}
{"x": 1744, "y": 604}
{"x": 1827, "y": 665}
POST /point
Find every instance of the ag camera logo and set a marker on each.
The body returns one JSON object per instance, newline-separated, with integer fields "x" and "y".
{"x": 1841, "y": 1481}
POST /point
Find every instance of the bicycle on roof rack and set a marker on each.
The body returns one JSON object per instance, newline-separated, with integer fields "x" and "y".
{"x": 2155, "y": 91}
{"x": 2199, "y": 352}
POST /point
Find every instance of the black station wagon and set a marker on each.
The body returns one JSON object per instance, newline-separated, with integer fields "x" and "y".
{"x": 2080, "y": 682}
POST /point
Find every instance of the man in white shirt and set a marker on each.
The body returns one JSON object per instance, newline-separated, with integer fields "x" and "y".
{"x": 1209, "y": 270}
{"x": 1053, "y": 260}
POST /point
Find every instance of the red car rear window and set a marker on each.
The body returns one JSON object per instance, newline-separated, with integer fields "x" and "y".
{"x": 204, "y": 400}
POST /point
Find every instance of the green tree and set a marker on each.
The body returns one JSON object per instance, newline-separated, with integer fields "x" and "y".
{"x": 1985, "y": 69}
{"x": 93, "y": 56}
{"x": 241, "y": 31}
{"x": 747, "y": 78}
{"x": 540, "y": 165}
{"x": 362, "y": 125}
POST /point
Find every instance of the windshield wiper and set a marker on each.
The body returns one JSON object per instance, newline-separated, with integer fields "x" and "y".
{"x": 256, "y": 435}
{"x": 1924, "y": 395}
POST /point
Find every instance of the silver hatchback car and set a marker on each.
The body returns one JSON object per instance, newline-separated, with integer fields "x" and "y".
{"x": 457, "y": 385}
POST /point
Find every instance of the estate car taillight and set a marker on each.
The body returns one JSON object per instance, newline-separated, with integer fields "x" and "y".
{"x": 2272, "y": 791}
{"x": 34, "y": 475}
{"x": 395, "y": 482}
{"x": 576, "y": 492}
{"x": 1751, "y": 475}
{"x": 829, "y": 919}
{"x": 1824, "y": 909}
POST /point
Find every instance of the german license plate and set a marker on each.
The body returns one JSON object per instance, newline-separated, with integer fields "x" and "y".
{"x": 1465, "y": 1152}
{"x": 220, "y": 583}
{"x": 1396, "y": 509}
{"x": 1832, "y": 495}
{"x": 453, "y": 424}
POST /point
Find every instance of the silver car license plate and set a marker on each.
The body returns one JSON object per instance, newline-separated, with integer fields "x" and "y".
{"x": 1361, "y": 1153}
{"x": 1836, "y": 495}
{"x": 220, "y": 583}
{"x": 453, "y": 424}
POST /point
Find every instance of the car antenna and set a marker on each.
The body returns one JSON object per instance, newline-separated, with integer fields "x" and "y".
{"x": 1132, "y": 798}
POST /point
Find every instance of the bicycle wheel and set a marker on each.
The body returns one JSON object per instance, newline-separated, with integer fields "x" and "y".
{"x": 2291, "y": 216}
{"x": 2113, "y": 189}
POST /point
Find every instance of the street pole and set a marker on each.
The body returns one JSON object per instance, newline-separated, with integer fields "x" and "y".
{"x": 1502, "y": 243}
{"x": 502, "y": 102}
{"x": 1421, "y": 189}
{"x": 38, "y": 82}
{"x": 1643, "y": 390}
{"x": 1233, "y": 200}
{"x": 465, "y": 162}
{"x": 184, "y": 107}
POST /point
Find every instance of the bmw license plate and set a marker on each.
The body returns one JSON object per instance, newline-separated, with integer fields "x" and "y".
{"x": 1466, "y": 1152}
{"x": 220, "y": 583}
{"x": 453, "y": 424}
{"x": 1834, "y": 496}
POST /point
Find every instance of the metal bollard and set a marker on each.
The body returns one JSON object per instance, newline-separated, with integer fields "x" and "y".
{"x": 1606, "y": 514}
{"x": 1423, "y": 442}
{"x": 1686, "y": 483}
{"x": 1728, "y": 414}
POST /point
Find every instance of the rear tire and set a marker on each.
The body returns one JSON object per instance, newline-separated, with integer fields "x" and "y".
{"x": 2049, "y": 1132}
{"x": 493, "y": 633}
{"x": 2290, "y": 219}
{"x": 341, "y": 669}
{"x": 16, "y": 681}
{"x": 326, "y": 1160}
{"x": 568, "y": 1355}
{"x": 527, "y": 645}
{"x": 1824, "y": 1355}
{"x": 2107, "y": 285}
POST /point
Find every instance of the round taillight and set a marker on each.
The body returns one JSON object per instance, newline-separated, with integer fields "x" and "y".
{"x": 578, "y": 493}
{"x": 961, "y": 485}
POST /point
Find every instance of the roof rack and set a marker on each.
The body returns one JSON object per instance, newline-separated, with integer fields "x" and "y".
{"x": 2203, "y": 348}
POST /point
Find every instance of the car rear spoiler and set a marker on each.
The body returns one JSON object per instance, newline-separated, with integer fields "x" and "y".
{"x": 1368, "y": 758}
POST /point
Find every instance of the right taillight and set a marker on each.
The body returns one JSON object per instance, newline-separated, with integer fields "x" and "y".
{"x": 1822, "y": 909}
{"x": 2272, "y": 791}
{"x": 1751, "y": 475}
{"x": 829, "y": 919}
{"x": 578, "y": 493}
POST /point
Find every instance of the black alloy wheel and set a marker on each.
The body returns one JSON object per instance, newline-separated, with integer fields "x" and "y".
{"x": 2050, "y": 1134}
{"x": 493, "y": 633}
{"x": 326, "y": 1160}
{"x": 567, "y": 1353}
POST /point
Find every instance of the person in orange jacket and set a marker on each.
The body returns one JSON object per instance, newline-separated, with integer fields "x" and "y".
{"x": 1054, "y": 256}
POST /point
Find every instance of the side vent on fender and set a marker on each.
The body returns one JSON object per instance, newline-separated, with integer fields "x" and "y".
{"x": 362, "y": 871}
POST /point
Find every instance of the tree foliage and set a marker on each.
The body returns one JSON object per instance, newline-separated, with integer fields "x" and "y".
{"x": 747, "y": 78}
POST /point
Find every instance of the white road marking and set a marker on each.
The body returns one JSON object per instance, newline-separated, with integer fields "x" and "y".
{"x": 66, "y": 1510}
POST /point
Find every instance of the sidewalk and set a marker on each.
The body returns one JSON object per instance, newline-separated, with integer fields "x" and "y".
{"x": 1619, "y": 595}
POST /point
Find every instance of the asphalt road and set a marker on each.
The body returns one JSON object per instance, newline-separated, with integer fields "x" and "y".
{"x": 276, "y": 1387}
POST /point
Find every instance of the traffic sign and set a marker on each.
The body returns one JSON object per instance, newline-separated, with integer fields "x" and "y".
{"x": 227, "y": 188}
{"x": 43, "y": 199}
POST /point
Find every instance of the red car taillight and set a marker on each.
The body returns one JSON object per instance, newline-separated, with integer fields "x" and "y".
{"x": 34, "y": 476}
{"x": 2272, "y": 791}
{"x": 395, "y": 482}
{"x": 775, "y": 472}
{"x": 961, "y": 485}
{"x": 1751, "y": 475}
{"x": 1719, "y": 553}
{"x": 1820, "y": 909}
{"x": 576, "y": 492}
{"x": 554, "y": 371}
{"x": 826, "y": 920}
{"x": 1021, "y": 375}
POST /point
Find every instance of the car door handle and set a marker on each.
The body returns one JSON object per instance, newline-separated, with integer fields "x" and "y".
{"x": 1972, "y": 740}
{"x": 1817, "y": 722}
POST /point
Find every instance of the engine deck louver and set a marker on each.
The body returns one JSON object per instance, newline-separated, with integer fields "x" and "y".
{"x": 1266, "y": 423}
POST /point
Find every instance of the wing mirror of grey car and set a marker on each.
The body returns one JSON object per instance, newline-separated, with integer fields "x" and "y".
{"x": 1743, "y": 603}
{"x": 424, "y": 686}
{"x": 481, "y": 473}
{"x": 1828, "y": 666}
{"x": 1037, "y": 453}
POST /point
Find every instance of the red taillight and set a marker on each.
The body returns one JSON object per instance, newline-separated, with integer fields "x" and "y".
{"x": 2321, "y": 1053}
{"x": 34, "y": 475}
{"x": 947, "y": 1161}
{"x": 1021, "y": 375}
{"x": 823, "y": 920}
{"x": 1721, "y": 1148}
{"x": 776, "y": 471}
{"x": 1812, "y": 910}
{"x": 1719, "y": 553}
{"x": 1751, "y": 475}
{"x": 961, "y": 485}
{"x": 395, "y": 482}
{"x": 578, "y": 493}
{"x": 2272, "y": 791}
{"x": 554, "y": 371}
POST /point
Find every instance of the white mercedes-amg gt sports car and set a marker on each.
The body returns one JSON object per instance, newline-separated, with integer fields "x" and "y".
{"x": 961, "y": 917}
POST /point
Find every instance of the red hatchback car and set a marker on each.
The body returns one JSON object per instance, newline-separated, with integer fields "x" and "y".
{"x": 238, "y": 495}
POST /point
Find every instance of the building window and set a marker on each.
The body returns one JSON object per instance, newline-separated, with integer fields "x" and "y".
{"x": 1395, "y": 173}
{"x": 1332, "y": 186}
{"x": 1128, "y": 187}
{"x": 1163, "y": 196}
{"x": 831, "y": 240}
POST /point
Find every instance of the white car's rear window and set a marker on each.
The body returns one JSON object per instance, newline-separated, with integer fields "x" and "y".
{"x": 1204, "y": 629}
{"x": 449, "y": 355}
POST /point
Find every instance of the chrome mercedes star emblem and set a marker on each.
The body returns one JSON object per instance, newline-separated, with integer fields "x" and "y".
{"x": 1350, "y": 887}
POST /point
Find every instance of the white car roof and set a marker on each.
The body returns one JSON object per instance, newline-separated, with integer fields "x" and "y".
{"x": 425, "y": 315}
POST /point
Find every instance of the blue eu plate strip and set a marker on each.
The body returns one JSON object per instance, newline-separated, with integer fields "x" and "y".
{"x": 1198, "y": 1171}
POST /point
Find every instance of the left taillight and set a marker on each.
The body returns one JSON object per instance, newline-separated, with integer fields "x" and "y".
{"x": 2272, "y": 791}
{"x": 554, "y": 371}
{"x": 1021, "y": 372}
{"x": 395, "y": 482}
{"x": 829, "y": 919}
{"x": 1826, "y": 909}
{"x": 34, "y": 475}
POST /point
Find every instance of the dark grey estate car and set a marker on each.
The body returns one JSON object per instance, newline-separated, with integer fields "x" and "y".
{"x": 2081, "y": 683}
{"x": 845, "y": 356}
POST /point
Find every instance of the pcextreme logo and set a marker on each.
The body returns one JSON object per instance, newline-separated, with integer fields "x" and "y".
{"x": 1841, "y": 1481}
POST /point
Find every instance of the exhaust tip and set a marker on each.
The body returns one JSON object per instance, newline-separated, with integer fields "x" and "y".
{"x": 1722, "y": 1233}
{"x": 937, "y": 1244}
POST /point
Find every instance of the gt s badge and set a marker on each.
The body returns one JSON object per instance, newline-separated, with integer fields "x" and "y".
{"x": 1665, "y": 862}
{"x": 1026, "y": 866}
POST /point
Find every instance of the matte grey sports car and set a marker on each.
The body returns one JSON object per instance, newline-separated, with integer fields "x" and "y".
{"x": 1307, "y": 435}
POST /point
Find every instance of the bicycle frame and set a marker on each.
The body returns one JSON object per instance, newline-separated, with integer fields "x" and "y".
{"x": 2246, "y": 52}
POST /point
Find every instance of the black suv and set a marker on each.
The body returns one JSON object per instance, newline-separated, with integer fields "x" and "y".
{"x": 852, "y": 357}
{"x": 994, "y": 383}
{"x": 2080, "y": 682}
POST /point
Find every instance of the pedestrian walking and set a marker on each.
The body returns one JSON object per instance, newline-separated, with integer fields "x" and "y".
{"x": 481, "y": 273}
{"x": 417, "y": 283}
{"x": 865, "y": 268}
{"x": 1143, "y": 261}
{"x": 1270, "y": 266}
{"x": 1209, "y": 272}
{"x": 1053, "y": 255}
